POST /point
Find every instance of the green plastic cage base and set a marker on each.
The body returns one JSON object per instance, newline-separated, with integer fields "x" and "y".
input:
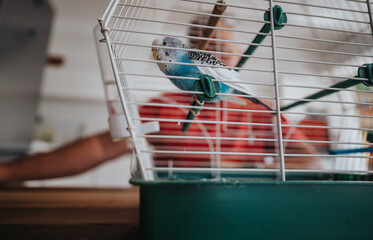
{"x": 211, "y": 209}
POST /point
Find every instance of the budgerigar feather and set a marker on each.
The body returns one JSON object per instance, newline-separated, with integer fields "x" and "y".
{"x": 205, "y": 64}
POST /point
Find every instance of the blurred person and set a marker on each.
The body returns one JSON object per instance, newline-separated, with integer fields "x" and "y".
{"x": 89, "y": 152}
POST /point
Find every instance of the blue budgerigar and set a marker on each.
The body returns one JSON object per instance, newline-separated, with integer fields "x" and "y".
{"x": 205, "y": 64}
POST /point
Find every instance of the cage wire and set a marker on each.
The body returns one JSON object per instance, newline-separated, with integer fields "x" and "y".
{"x": 322, "y": 44}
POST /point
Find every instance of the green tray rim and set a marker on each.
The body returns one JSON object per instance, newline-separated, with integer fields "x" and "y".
{"x": 138, "y": 181}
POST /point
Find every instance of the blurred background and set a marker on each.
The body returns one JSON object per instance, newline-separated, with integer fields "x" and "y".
{"x": 63, "y": 89}
{"x": 72, "y": 98}
{"x": 51, "y": 89}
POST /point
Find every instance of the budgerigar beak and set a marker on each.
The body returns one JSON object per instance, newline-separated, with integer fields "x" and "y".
{"x": 155, "y": 53}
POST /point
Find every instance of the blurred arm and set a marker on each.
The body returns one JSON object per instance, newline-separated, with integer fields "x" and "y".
{"x": 71, "y": 159}
{"x": 304, "y": 148}
{"x": 305, "y": 162}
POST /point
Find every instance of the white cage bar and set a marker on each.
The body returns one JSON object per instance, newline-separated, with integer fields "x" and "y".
{"x": 321, "y": 44}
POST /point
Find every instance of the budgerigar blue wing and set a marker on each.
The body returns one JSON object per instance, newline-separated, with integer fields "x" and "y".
{"x": 169, "y": 51}
{"x": 226, "y": 76}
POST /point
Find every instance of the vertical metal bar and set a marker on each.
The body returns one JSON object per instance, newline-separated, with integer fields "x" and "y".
{"x": 217, "y": 141}
{"x": 170, "y": 171}
{"x": 110, "y": 13}
{"x": 277, "y": 95}
{"x": 370, "y": 15}
{"x": 146, "y": 174}
{"x": 126, "y": 27}
{"x": 104, "y": 15}
{"x": 121, "y": 23}
{"x": 218, "y": 112}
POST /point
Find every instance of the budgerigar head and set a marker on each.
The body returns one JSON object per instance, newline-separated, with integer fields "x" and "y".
{"x": 162, "y": 50}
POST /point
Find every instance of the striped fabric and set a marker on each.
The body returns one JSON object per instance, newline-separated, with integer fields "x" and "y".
{"x": 239, "y": 126}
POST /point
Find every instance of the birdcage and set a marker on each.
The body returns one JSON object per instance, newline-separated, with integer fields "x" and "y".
{"x": 249, "y": 119}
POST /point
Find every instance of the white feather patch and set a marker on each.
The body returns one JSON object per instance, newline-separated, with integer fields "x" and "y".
{"x": 228, "y": 77}
{"x": 235, "y": 100}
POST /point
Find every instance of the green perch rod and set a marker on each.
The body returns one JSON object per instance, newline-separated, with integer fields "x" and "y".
{"x": 279, "y": 18}
{"x": 365, "y": 71}
{"x": 206, "y": 83}
{"x": 209, "y": 88}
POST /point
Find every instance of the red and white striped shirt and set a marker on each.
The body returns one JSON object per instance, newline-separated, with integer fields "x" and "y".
{"x": 241, "y": 131}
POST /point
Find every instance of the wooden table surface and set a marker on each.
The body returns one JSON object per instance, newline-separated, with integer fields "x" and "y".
{"x": 53, "y": 213}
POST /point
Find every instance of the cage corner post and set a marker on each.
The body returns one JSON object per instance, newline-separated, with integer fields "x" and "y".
{"x": 145, "y": 166}
{"x": 277, "y": 96}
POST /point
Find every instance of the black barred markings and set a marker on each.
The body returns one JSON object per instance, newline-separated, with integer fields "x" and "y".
{"x": 204, "y": 58}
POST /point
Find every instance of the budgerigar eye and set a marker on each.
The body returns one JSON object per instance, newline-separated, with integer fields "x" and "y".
{"x": 164, "y": 43}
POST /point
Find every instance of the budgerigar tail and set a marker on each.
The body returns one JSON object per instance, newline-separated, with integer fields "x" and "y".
{"x": 257, "y": 101}
{"x": 250, "y": 96}
{"x": 253, "y": 99}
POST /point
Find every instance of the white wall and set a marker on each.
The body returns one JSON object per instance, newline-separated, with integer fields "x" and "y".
{"x": 72, "y": 102}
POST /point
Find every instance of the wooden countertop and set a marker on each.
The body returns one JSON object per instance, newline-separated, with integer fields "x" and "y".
{"x": 60, "y": 213}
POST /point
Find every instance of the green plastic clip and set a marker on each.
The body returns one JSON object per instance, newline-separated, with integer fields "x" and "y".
{"x": 210, "y": 89}
{"x": 208, "y": 86}
{"x": 279, "y": 19}
{"x": 365, "y": 71}
{"x": 206, "y": 83}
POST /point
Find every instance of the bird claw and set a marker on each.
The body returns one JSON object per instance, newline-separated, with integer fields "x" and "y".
{"x": 194, "y": 113}
{"x": 195, "y": 98}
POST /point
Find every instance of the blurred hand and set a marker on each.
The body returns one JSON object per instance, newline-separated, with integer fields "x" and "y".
{"x": 226, "y": 47}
